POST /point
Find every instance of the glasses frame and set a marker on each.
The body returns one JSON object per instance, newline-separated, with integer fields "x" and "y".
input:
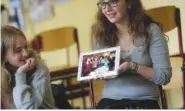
{"x": 110, "y": 3}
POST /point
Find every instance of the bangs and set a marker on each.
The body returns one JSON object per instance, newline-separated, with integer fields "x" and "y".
{"x": 10, "y": 43}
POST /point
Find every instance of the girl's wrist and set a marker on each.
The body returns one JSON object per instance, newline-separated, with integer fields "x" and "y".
{"x": 20, "y": 71}
{"x": 134, "y": 67}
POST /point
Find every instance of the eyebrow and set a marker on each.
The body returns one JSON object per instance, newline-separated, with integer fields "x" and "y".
{"x": 17, "y": 48}
{"x": 22, "y": 45}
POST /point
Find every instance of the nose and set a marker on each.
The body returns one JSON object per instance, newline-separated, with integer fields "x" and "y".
{"x": 25, "y": 53}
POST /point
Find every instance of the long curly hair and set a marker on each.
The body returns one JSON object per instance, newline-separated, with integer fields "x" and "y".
{"x": 138, "y": 23}
{"x": 8, "y": 38}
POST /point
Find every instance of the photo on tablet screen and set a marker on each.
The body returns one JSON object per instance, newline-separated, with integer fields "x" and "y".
{"x": 99, "y": 63}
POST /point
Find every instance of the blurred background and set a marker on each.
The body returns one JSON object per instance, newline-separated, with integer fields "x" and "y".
{"x": 42, "y": 17}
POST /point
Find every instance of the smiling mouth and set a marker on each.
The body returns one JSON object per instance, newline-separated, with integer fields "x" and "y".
{"x": 111, "y": 15}
{"x": 23, "y": 61}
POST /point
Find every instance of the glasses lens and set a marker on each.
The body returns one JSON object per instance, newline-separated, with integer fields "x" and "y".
{"x": 113, "y": 2}
{"x": 101, "y": 5}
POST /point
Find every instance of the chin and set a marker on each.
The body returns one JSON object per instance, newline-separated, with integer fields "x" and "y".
{"x": 113, "y": 20}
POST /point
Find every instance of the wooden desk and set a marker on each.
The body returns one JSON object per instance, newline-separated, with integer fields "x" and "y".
{"x": 59, "y": 73}
{"x": 73, "y": 90}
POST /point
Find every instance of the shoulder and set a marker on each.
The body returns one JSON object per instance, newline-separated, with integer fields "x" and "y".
{"x": 153, "y": 27}
{"x": 155, "y": 33}
{"x": 42, "y": 66}
{"x": 41, "y": 70}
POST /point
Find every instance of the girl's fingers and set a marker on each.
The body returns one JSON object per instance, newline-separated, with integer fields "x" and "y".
{"x": 121, "y": 68}
{"x": 32, "y": 63}
{"x": 28, "y": 62}
{"x": 111, "y": 77}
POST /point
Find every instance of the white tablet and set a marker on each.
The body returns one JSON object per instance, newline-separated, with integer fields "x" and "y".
{"x": 99, "y": 63}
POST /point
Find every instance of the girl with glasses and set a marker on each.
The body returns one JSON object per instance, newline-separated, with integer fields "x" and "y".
{"x": 144, "y": 51}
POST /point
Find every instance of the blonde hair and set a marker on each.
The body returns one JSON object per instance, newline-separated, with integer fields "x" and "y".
{"x": 8, "y": 38}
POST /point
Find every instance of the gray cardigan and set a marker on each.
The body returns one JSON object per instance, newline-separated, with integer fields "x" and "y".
{"x": 134, "y": 86}
{"x": 33, "y": 92}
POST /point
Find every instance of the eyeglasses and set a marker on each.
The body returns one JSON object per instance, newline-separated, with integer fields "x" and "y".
{"x": 112, "y": 3}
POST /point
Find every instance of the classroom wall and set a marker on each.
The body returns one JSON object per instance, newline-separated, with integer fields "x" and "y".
{"x": 77, "y": 13}
{"x": 81, "y": 14}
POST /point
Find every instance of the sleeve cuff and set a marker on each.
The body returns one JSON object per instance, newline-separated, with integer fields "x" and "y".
{"x": 20, "y": 78}
{"x": 162, "y": 77}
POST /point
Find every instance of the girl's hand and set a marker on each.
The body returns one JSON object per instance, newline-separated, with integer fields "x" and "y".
{"x": 125, "y": 66}
{"x": 105, "y": 78}
{"x": 30, "y": 63}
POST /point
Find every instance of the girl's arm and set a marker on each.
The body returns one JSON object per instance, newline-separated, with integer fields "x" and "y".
{"x": 161, "y": 71}
{"x": 32, "y": 96}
